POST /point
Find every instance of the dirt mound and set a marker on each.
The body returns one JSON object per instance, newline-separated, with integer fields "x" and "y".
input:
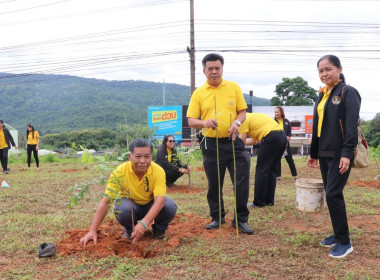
{"x": 182, "y": 230}
{"x": 365, "y": 184}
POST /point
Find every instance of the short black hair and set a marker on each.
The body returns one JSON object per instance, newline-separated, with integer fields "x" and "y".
{"x": 2, "y": 121}
{"x": 140, "y": 143}
{"x": 212, "y": 57}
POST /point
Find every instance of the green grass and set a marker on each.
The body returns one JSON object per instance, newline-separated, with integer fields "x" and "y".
{"x": 285, "y": 244}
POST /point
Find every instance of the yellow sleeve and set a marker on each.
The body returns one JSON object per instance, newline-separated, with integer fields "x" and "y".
{"x": 194, "y": 109}
{"x": 116, "y": 181}
{"x": 244, "y": 128}
{"x": 159, "y": 182}
{"x": 240, "y": 101}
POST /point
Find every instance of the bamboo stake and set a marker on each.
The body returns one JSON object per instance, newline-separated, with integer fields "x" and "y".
{"x": 218, "y": 167}
{"x": 234, "y": 159}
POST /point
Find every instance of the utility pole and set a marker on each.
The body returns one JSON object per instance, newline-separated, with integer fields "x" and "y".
{"x": 191, "y": 51}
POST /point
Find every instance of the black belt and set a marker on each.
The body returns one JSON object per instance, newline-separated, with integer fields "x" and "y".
{"x": 274, "y": 132}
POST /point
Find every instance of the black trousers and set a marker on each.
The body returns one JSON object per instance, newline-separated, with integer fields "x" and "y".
{"x": 334, "y": 183}
{"x": 172, "y": 176}
{"x": 270, "y": 152}
{"x": 242, "y": 160}
{"x": 4, "y": 158}
{"x": 29, "y": 150}
{"x": 289, "y": 160}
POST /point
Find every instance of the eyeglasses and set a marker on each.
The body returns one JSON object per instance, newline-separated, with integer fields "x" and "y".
{"x": 171, "y": 141}
{"x": 146, "y": 184}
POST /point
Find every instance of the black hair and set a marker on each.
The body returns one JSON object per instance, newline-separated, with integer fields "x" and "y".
{"x": 281, "y": 111}
{"x": 27, "y": 131}
{"x": 165, "y": 140}
{"x": 334, "y": 60}
{"x": 140, "y": 143}
{"x": 212, "y": 57}
{"x": 2, "y": 121}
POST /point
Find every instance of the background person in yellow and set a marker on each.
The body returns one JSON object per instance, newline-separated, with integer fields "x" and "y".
{"x": 33, "y": 139}
{"x": 279, "y": 116}
{"x": 6, "y": 140}
{"x": 262, "y": 128}
{"x": 167, "y": 158}
{"x": 139, "y": 183}
{"x": 222, "y": 121}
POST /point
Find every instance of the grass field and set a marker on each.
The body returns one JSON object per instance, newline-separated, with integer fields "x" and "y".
{"x": 285, "y": 244}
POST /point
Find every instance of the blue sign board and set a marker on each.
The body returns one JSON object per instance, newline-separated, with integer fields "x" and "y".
{"x": 166, "y": 120}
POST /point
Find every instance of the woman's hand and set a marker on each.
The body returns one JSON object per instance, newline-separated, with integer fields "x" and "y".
{"x": 183, "y": 170}
{"x": 344, "y": 164}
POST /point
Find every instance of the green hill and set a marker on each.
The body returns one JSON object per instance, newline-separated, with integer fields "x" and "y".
{"x": 60, "y": 103}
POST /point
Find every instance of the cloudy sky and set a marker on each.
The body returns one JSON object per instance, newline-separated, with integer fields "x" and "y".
{"x": 262, "y": 41}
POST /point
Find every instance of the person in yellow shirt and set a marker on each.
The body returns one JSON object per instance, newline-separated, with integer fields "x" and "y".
{"x": 333, "y": 142}
{"x": 33, "y": 140}
{"x": 6, "y": 140}
{"x": 221, "y": 107}
{"x": 138, "y": 189}
{"x": 262, "y": 128}
{"x": 167, "y": 158}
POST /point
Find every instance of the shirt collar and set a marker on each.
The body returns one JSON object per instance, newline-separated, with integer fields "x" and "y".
{"x": 221, "y": 84}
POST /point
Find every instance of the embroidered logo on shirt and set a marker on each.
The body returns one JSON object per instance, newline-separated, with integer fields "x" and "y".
{"x": 335, "y": 100}
{"x": 231, "y": 103}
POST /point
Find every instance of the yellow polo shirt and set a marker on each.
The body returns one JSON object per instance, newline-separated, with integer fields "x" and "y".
{"x": 125, "y": 182}
{"x": 258, "y": 125}
{"x": 281, "y": 122}
{"x": 31, "y": 140}
{"x": 321, "y": 108}
{"x": 3, "y": 143}
{"x": 229, "y": 100}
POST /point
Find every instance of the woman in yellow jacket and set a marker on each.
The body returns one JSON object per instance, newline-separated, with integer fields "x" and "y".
{"x": 33, "y": 139}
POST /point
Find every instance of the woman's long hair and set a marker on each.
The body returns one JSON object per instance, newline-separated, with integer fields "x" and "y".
{"x": 27, "y": 131}
{"x": 281, "y": 111}
{"x": 164, "y": 141}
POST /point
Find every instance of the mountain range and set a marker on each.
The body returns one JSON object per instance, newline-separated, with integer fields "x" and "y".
{"x": 62, "y": 103}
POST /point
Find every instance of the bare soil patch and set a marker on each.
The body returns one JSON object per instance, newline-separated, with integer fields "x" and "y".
{"x": 365, "y": 184}
{"x": 182, "y": 230}
{"x": 183, "y": 189}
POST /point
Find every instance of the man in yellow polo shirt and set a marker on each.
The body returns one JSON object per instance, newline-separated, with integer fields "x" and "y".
{"x": 6, "y": 140}
{"x": 222, "y": 109}
{"x": 140, "y": 184}
{"x": 262, "y": 128}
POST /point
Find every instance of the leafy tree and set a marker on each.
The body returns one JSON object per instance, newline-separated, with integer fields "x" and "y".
{"x": 294, "y": 92}
{"x": 371, "y": 131}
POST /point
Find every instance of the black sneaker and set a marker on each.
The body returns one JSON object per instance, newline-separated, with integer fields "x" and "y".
{"x": 158, "y": 234}
{"x": 46, "y": 250}
{"x": 126, "y": 235}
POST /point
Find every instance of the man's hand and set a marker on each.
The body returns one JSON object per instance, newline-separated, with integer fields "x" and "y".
{"x": 210, "y": 123}
{"x": 138, "y": 232}
{"x": 343, "y": 165}
{"x": 91, "y": 235}
{"x": 234, "y": 128}
{"x": 312, "y": 162}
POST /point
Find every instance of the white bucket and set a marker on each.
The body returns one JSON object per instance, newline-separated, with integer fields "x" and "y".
{"x": 310, "y": 195}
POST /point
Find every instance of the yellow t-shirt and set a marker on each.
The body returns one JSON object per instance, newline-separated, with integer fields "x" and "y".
{"x": 169, "y": 154}
{"x": 229, "y": 100}
{"x": 3, "y": 143}
{"x": 321, "y": 107}
{"x": 258, "y": 125}
{"x": 31, "y": 140}
{"x": 125, "y": 182}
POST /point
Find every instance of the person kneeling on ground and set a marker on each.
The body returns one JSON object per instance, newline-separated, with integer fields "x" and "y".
{"x": 167, "y": 158}
{"x": 140, "y": 185}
